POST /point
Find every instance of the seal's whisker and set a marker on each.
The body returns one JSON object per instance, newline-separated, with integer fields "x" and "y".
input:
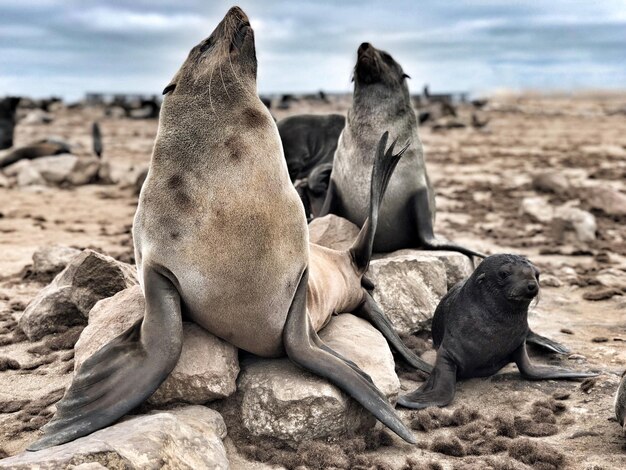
{"x": 223, "y": 84}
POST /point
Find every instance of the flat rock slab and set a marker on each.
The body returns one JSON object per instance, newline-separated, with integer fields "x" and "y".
{"x": 280, "y": 400}
{"x": 185, "y": 438}
{"x": 67, "y": 300}
{"x": 409, "y": 287}
{"x": 206, "y": 370}
{"x": 333, "y": 232}
{"x": 458, "y": 266}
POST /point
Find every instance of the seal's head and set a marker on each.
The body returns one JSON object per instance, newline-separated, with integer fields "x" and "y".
{"x": 511, "y": 278}
{"x": 376, "y": 67}
{"x": 220, "y": 68}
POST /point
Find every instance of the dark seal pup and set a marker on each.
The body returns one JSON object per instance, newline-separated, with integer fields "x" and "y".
{"x": 309, "y": 140}
{"x": 381, "y": 102}
{"x": 220, "y": 237}
{"x": 480, "y": 326}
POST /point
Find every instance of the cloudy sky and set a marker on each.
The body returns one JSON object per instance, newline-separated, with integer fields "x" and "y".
{"x": 69, "y": 47}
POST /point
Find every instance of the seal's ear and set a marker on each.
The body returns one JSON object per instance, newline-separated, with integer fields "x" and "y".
{"x": 481, "y": 277}
{"x": 169, "y": 88}
{"x": 404, "y": 75}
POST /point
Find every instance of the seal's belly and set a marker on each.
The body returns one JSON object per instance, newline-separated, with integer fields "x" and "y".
{"x": 396, "y": 221}
{"x": 236, "y": 272}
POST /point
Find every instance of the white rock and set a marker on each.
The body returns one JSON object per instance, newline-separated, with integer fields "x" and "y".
{"x": 67, "y": 168}
{"x": 67, "y": 300}
{"x": 409, "y": 288}
{"x": 551, "y": 182}
{"x": 4, "y": 181}
{"x": 37, "y": 116}
{"x": 458, "y": 266}
{"x": 538, "y": 209}
{"x": 280, "y": 400}
{"x": 583, "y": 223}
{"x": 606, "y": 199}
{"x": 333, "y": 232}
{"x": 29, "y": 176}
{"x": 185, "y": 438}
{"x": 206, "y": 370}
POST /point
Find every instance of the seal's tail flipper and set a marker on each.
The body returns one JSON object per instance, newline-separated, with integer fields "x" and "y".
{"x": 534, "y": 372}
{"x": 425, "y": 234}
{"x": 97, "y": 139}
{"x": 384, "y": 164}
{"x": 122, "y": 374}
{"x": 438, "y": 390}
{"x": 303, "y": 347}
{"x": 546, "y": 343}
{"x": 371, "y": 312}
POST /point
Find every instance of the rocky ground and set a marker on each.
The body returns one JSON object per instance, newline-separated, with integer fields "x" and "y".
{"x": 545, "y": 177}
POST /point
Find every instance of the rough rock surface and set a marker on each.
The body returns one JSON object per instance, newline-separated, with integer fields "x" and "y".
{"x": 606, "y": 199}
{"x": 333, "y": 231}
{"x": 280, "y": 400}
{"x": 55, "y": 169}
{"x": 67, "y": 300}
{"x": 458, "y": 266}
{"x": 550, "y": 182}
{"x": 52, "y": 259}
{"x": 184, "y": 438}
{"x": 206, "y": 370}
{"x": 409, "y": 287}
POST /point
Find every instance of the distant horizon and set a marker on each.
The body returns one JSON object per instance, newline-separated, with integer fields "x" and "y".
{"x": 68, "y": 48}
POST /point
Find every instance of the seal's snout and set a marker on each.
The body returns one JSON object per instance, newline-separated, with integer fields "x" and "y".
{"x": 364, "y": 47}
{"x": 532, "y": 289}
{"x": 238, "y": 14}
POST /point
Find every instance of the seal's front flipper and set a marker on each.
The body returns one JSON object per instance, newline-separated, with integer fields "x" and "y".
{"x": 438, "y": 390}
{"x": 546, "y": 343}
{"x": 301, "y": 347}
{"x": 534, "y": 372}
{"x": 425, "y": 235}
{"x": 372, "y": 312}
{"x": 125, "y": 372}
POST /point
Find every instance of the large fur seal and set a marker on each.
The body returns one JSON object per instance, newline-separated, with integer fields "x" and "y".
{"x": 480, "y": 326}
{"x": 382, "y": 102}
{"x": 220, "y": 237}
{"x": 309, "y": 140}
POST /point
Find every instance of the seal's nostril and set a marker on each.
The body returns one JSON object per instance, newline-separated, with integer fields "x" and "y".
{"x": 364, "y": 46}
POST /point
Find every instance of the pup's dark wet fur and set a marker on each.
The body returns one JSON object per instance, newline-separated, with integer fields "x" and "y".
{"x": 480, "y": 326}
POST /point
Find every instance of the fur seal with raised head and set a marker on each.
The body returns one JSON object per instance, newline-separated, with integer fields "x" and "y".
{"x": 309, "y": 140}
{"x": 207, "y": 248}
{"x": 480, "y": 326}
{"x": 381, "y": 102}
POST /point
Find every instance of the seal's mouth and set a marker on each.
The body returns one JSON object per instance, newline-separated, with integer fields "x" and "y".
{"x": 367, "y": 68}
{"x": 239, "y": 36}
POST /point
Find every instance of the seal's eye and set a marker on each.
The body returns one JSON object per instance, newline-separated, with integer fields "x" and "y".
{"x": 169, "y": 88}
{"x": 503, "y": 274}
{"x": 206, "y": 45}
{"x": 537, "y": 273}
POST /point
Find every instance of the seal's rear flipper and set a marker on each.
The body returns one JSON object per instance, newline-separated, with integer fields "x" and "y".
{"x": 384, "y": 164}
{"x": 425, "y": 234}
{"x": 302, "y": 348}
{"x": 546, "y": 343}
{"x": 372, "y": 312}
{"x": 534, "y": 372}
{"x": 438, "y": 390}
{"x": 125, "y": 372}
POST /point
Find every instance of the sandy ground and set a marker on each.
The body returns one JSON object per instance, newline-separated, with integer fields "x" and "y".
{"x": 480, "y": 176}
